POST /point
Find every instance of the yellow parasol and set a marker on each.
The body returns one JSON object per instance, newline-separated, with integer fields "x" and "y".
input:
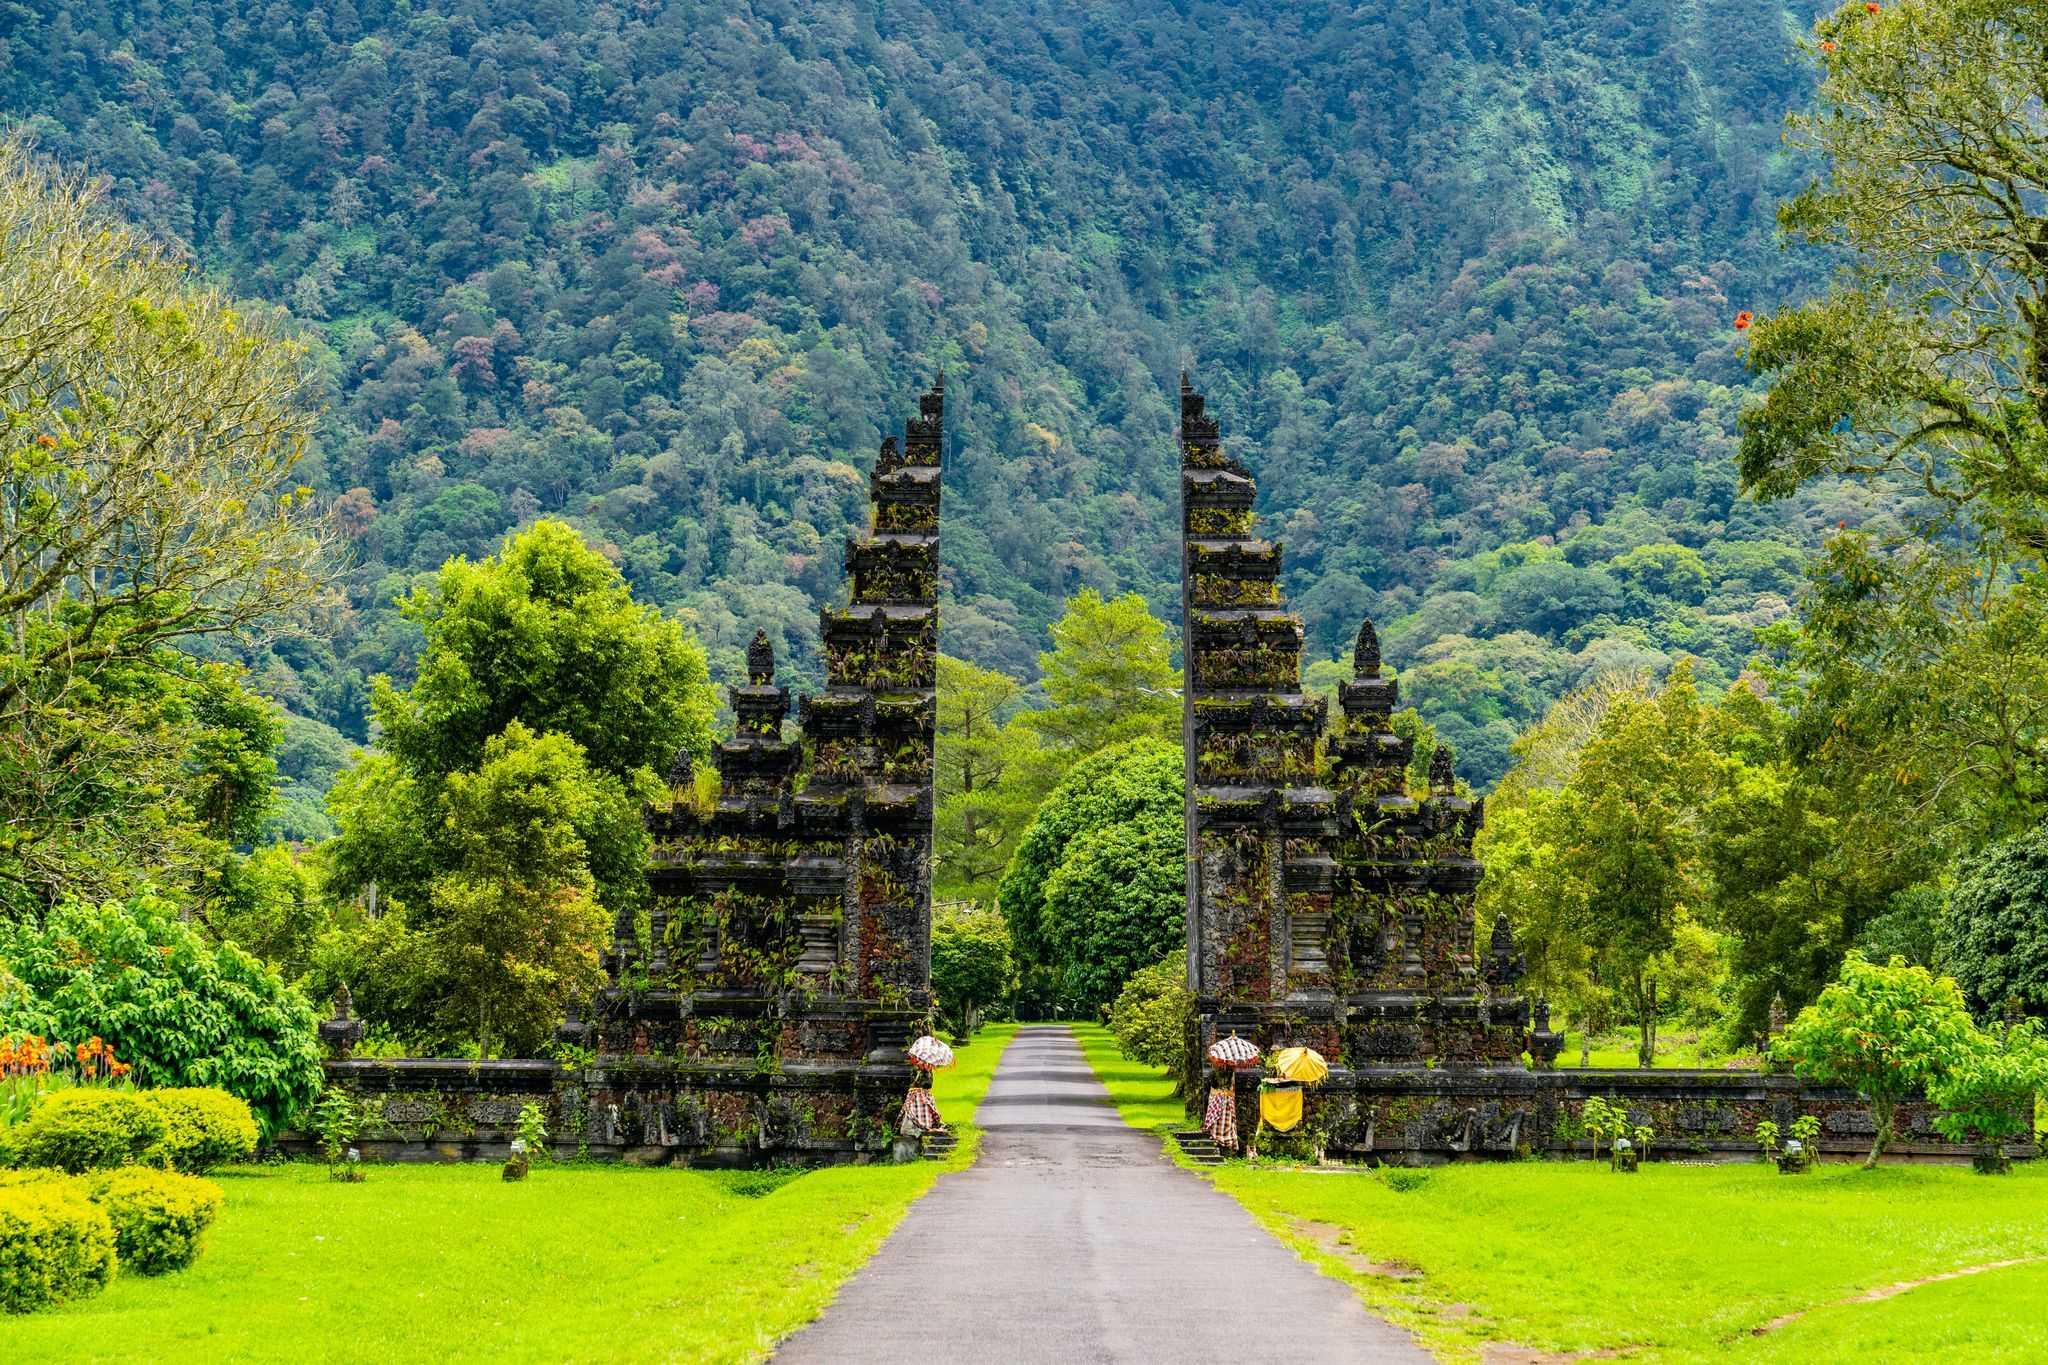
{"x": 1302, "y": 1064}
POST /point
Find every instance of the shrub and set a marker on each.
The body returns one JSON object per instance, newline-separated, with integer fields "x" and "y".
{"x": 1988, "y": 1093}
{"x": 86, "y": 1129}
{"x": 181, "y": 1010}
{"x": 55, "y": 1244}
{"x": 336, "y": 1121}
{"x": 157, "y": 1216}
{"x": 203, "y": 1128}
{"x": 1151, "y": 1018}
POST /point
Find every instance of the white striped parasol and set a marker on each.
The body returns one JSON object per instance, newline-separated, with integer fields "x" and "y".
{"x": 1233, "y": 1052}
{"x": 931, "y": 1054}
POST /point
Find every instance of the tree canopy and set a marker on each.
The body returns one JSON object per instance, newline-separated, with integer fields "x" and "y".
{"x": 1097, "y": 887}
{"x": 150, "y": 504}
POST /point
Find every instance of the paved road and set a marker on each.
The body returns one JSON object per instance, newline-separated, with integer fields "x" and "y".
{"x": 1073, "y": 1239}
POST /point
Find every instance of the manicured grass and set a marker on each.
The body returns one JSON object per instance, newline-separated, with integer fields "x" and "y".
{"x": 1982, "y": 1319}
{"x": 1676, "y": 1263}
{"x": 442, "y": 1263}
{"x": 1680, "y": 1262}
{"x": 1674, "y": 1049}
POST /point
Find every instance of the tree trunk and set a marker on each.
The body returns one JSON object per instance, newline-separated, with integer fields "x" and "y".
{"x": 1646, "y": 1021}
{"x": 1881, "y": 1110}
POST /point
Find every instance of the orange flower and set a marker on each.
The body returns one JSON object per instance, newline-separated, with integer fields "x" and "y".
{"x": 1743, "y": 319}
{"x": 47, "y": 441}
{"x": 1828, "y": 45}
{"x": 1870, "y": 6}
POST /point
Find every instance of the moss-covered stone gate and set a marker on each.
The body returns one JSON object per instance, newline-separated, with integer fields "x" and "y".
{"x": 759, "y": 1011}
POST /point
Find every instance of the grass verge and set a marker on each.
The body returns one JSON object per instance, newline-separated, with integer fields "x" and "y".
{"x": 1675, "y": 1263}
{"x": 443, "y": 1263}
{"x": 1142, "y": 1094}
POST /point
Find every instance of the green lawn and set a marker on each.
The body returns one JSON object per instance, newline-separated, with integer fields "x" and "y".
{"x": 441, "y": 1263}
{"x": 1675, "y": 1048}
{"x": 1677, "y": 1263}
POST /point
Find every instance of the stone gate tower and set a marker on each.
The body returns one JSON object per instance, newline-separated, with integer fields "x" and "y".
{"x": 760, "y": 1008}
{"x": 1327, "y": 906}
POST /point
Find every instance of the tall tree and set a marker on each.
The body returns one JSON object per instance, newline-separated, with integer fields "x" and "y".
{"x": 547, "y": 633}
{"x": 1605, "y": 867}
{"x": 503, "y": 823}
{"x": 977, "y": 819}
{"x": 1109, "y": 676}
{"x": 1923, "y": 369}
{"x": 1084, "y": 894}
{"x": 1928, "y": 355}
{"x": 149, "y": 501}
{"x": 1109, "y": 679}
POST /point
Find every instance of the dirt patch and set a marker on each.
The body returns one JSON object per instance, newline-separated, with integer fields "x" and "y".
{"x": 1336, "y": 1242}
{"x": 1892, "y": 1291}
{"x": 1507, "y": 1353}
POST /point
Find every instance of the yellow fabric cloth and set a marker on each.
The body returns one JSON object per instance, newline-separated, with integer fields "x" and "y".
{"x": 1280, "y": 1110}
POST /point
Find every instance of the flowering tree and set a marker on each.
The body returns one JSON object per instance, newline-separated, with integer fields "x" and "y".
{"x": 1883, "y": 1031}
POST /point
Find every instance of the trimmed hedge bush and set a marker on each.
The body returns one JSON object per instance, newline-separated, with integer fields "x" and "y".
{"x": 157, "y": 1216}
{"x": 55, "y": 1244}
{"x": 203, "y": 1128}
{"x": 87, "y": 1129}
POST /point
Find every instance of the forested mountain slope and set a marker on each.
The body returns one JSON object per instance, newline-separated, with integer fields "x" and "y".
{"x": 1457, "y": 276}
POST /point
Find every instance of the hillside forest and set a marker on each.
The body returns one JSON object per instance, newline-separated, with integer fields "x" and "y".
{"x": 536, "y": 353}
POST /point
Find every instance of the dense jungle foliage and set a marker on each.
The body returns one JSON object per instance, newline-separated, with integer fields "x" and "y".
{"x": 1716, "y": 551}
{"x": 1458, "y": 278}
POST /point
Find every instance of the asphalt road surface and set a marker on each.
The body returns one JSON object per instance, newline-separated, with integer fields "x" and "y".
{"x": 1073, "y": 1238}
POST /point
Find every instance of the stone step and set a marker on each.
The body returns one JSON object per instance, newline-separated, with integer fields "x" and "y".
{"x": 1199, "y": 1147}
{"x": 937, "y": 1146}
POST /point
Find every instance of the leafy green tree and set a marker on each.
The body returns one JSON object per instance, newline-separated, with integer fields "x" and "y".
{"x": 1882, "y": 1031}
{"x": 545, "y": 637}
{"x": 1114, "y": 903}
{"x": 149, "y": 501}
{"x": 1109, "y": 678}
{"x": 1527, "y": 876}
{"x": 1796, "y": 864}
{"x": 503, "y": 896}
{"x": 976, "y": 818}
{"x": 514, "y": 921}
{"x": 1989, "y": 1092}
{"x": 972, "y": 967}
{"x": 1928, "y": 354}
{"x": 1117, "y": 818}
{"x": 1925, "y": 680}
{"x": 270, "y": 904}
{"x": 1994, "y": 929}
{"x": 1612, "y": 860}
{"x": 1923, "y": 370}
{"x": 180, "y": 1010}
{"x": 545, "y": 633}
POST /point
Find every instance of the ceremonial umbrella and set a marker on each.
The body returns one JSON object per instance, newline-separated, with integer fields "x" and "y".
{"x": 1302, "y": 1064}
{"x": 1233, "y": 1052}
{"x": 930, "y": 1054}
